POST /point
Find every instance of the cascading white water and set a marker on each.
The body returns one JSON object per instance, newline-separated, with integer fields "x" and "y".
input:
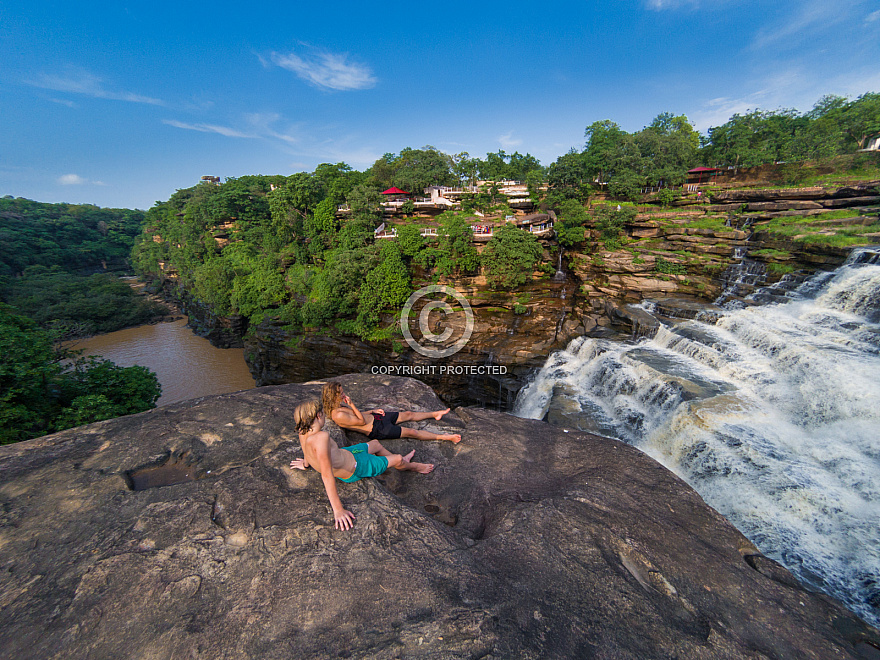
{"x": 772, "y": 415}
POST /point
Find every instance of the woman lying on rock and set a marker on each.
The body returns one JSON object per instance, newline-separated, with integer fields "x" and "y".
{"x": 349, "y": 464}
{"x": 377, "y": 424}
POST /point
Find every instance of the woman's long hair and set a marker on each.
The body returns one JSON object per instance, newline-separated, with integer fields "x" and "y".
{"x": 331, "y": 397}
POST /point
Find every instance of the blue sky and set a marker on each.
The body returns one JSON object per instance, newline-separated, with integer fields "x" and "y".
{"x": 120, "y": 104}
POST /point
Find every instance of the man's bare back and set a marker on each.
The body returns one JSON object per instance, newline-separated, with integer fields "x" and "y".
{"x": 342, "y": 462}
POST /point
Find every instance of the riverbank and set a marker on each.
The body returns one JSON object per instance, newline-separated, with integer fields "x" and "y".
{"x": 187, "y": 365}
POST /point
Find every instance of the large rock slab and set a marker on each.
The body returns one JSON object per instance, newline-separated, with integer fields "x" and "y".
{"x": 527, "y": 541}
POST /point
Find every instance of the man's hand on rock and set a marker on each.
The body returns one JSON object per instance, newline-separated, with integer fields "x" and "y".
{"x": 299, "y": 464}
{"x": 344, "y": 519}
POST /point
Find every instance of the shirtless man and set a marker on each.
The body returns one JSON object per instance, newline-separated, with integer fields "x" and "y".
{"x": 349, "y": 464}
{"x": 376, "y": 424}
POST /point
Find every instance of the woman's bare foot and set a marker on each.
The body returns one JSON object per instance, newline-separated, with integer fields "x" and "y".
{"x": 421, "y": 468}
{"x": 439, "y": 413}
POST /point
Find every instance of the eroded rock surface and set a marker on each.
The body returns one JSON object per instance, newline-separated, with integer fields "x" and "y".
{"x": 525, "y": 542}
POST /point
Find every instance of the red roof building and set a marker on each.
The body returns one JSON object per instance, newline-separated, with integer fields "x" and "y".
{"x": 701, "y": 174}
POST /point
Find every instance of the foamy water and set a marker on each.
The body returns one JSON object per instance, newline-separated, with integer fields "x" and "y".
{"x": 772, "y": 415}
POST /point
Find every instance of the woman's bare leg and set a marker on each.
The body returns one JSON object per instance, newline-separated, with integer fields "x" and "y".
{"x": 427, "y": 435}
{"x": 410, "y": 416}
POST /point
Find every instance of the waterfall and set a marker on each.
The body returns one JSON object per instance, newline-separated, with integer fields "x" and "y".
{"x": 560, "y": 274}
{"x": 772, "y": 414}
{"x": 740, "y": 279}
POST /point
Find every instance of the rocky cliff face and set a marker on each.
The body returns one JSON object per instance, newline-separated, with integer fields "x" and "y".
{"x": 221, "y": 331}
{"x": 527, "y": 541}
{"x": 678, "y": 267}
{"x": 516, "y": 343}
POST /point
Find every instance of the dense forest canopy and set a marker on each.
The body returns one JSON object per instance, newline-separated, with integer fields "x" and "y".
{"x": 80, "y": 238}
{"x": 661, "y": 153}
{"x": 44, "y": 388}
{"x": 258, "y": 244}
{"x": 275, "y": 244}
{"x": 58, "y": 266}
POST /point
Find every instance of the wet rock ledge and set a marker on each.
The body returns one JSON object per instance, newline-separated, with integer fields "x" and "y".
{"x": 525, "y": 542}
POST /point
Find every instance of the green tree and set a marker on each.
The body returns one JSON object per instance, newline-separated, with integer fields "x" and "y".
{"x": 571, "y": 222}
{"x": 610, "y": 223}
{"x": 455, "y": 252}
{"x": 118, "y": 391}
{"x": 213, "y": 284}
{"x": 465, "y": 168}
{"x": 410, "y": 240}
{"x": 337, "y": 180}
{"x": 669, "y": 146}
{"x": 386, "y": 286}
{"x": 77, "y": 306}
{"x": 79, "y": 238}
{"x": 501, "y": 166}
{"x": 291, "y": 203}
{"x": 413, "y": 170}
{"x": 569, "y": 177}
{"x": 258, "y": 285}
{"x": 861, "y": 119}
{"x": 755, "y": 138}
{"x": 29, "y": 373}
{"x": 320, "y": 229}
{"x": 510, "y": 257}
{"x": 40, "y": 394}
{"x": 604, "y": 149}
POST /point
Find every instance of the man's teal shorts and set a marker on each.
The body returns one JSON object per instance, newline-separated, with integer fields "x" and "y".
{"x": 368, "y": 465}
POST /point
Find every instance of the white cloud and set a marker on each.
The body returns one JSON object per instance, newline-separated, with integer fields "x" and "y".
{"x": 507, "y": 141}
{"x": 811, "y": 16}
{"x": 263, "y": 123}
{"x": 80, "y": 81}
{"x": 208, "y": 128}
{"x": 327, "y": 70}
{"x": 660, "y": 5}
{"x": 68, "y": 103}
{"x": 72, "y": 180}
{"x": 873, "y": 16}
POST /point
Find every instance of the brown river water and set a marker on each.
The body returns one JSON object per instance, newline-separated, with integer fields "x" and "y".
{"x": 187, "y": 365}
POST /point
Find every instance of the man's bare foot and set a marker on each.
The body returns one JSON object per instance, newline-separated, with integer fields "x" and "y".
{"x": 439, "y": 413}
{"x": 408, "y": 457}
{"x": 456, "y": 438}
{"x": 421, "y": 468}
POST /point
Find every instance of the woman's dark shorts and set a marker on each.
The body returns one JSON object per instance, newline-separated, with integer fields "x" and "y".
{"x": 384, "y": 427}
